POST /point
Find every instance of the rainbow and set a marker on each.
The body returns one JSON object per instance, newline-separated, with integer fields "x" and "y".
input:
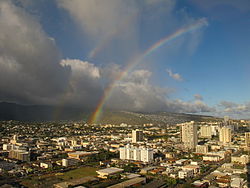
{"x": 107, "y": 92}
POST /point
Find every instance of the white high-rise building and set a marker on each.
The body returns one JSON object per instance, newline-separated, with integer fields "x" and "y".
{"x": 189, "y": 135}
{"x": 202, "y": 149}
{"x": 226, "y": 119}
{"x": 137, "y": 136}
{"x": 146, "y": 155}
{"x": 206, "y": 131}
{"x": 214, "y": 130}
{"x": 136, "y": 154}
{"x": 247, "y": 139}
{"x": 123, "y": 153}
{"x": 14, "y": 140}
{"x": 225, "y": 135}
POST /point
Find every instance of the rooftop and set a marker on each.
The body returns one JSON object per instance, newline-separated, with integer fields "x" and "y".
{"x": 82, "y": 153}
{"x": 111, "y": 170}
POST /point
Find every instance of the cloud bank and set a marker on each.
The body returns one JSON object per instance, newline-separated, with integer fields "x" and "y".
{"x": 33, "y": 70}
{"x": 30, "y": 67}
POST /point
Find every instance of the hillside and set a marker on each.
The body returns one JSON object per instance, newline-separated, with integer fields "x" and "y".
{"x": 135, "y": 118}
{"x": 11, "y": 111}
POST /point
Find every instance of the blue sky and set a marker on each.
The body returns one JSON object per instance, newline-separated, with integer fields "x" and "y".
{"x": 204, "y": 71}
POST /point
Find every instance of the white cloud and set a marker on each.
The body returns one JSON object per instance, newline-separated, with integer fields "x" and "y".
{"x": 188, "y": 107}
{"x": 136, "y": 93}
{"x": 234, "y": 110}
{"x": 234, "y": 107}
{"x": 85, "y": 84}
{"x": 175, "y": 76}
{"x": 80, "y": 68}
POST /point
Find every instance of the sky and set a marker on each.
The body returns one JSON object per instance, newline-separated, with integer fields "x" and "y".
{"x": 137, "y": 55}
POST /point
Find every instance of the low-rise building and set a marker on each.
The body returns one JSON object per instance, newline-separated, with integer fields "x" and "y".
{"x": 182, "y": 162}
{"x": 20, "y": 155}
{"x": 109, "y": 172}
{"x": 69, "y": 162}
{"x": 147, "y": 169}
{"x": 185, "y": 174}
{"x": 237, "y": 183}
{"x": 243, "y": 159}
{"x": 45, "y": 165}
{"x": 194, "y": 168}
{"x": 201, "y": 149}
{"x": 199, "y": 183}
{"x": 7, "y": 147}
{"x": 80, "y": 154}
{"x": 212, "y": 158}
{"x": 130, "y": 183}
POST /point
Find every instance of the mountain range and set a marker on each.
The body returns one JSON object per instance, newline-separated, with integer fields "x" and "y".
{"x": 13, "y": 111}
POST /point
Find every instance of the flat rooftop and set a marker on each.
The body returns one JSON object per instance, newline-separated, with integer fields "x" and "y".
{"x": 129, "y": 183}
{"x": 82, "y": 153}
{"x": 111, "y": 170}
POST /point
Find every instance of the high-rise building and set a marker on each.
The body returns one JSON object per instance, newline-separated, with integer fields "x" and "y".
{"x": 206, "y": 131}
{"x": 21, "y": 155}
{"x": 202, "y": 149}
{"x": 136, "y": 154}
{"x": 248, "y": 174}
{"x": 226, "y": 120}
{"x": 189, "y": 135}
{"x": 123, "y": 153}
{"x": 214, "y": 130}
{"x": 225, "y": 135}
{"x": 14, "y": 140}
{"x": 137, "y": 136}
{"x": 147, "y": 155}
{"x": 247, "y": 139}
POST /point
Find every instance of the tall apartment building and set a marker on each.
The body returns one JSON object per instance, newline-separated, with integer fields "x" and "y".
{"x": 189, "y": 135}
{"x": 14, "y": 140}
{"x": 202, "y": 149}
{"x": 19, "y": 155}
{"x": 136, "y": 154}
{"x": 225, "y": 135}
{"x": 206, "y": 131}
{"x": 226, "y": 120}
{"x": 137, "y": 136}
{"x": 247, "y": 139}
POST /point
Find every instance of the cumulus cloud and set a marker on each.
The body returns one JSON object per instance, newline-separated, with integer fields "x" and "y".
{"x": 227, "y": 104}
{"x": 84, "y": 87}
{"x": 196, "y": 106}
{"x": 235, "y": 108}
{"x": 136, "y": 93}
{"x": 175, "y": 76}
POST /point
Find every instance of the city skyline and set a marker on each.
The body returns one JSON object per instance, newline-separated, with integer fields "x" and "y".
{"x": 159, "y": 55}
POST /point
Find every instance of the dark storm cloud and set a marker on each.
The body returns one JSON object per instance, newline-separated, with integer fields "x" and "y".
{"x": 29, "y": 59}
